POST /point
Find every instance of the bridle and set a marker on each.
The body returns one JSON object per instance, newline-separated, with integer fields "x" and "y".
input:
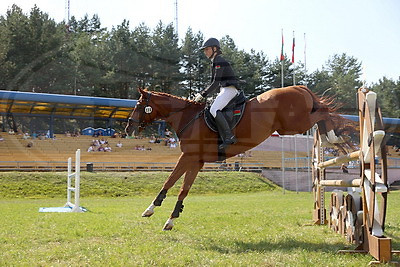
{"x": 147, "y": 110}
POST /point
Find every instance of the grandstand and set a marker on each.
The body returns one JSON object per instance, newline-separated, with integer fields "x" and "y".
{"x": 52, "y": 154}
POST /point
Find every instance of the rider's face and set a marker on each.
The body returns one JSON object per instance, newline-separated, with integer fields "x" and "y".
{"x": 208, "y": 51}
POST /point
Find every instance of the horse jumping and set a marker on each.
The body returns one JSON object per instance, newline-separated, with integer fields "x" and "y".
{"x": 288, "y": 110}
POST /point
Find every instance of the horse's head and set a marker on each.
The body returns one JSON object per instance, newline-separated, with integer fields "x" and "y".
{"x": 144, "y": 113}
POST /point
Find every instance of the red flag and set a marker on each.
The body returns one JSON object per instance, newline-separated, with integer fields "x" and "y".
{"x": 293, "y": 49}
{"x": 282, "y": 56}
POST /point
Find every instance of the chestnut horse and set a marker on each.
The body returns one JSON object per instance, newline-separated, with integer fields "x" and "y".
{"x": 289, "y": 110}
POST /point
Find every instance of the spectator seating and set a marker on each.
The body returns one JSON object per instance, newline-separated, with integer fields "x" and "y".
{"x": 56, "y": 152}
{"x": 14, "y": 149}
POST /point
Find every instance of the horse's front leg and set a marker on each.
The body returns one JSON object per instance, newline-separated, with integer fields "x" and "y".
{"x": 190, "y": 176}
{"x": 179, "y": 170}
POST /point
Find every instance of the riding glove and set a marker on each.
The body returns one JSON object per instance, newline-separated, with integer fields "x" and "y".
{"x": 198, "y": 98}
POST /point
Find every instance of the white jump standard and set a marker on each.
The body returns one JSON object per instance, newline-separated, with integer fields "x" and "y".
{"x": 76, "y": 177}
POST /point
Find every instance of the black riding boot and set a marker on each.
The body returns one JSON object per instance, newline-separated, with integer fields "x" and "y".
{"x": 228, "y": 138}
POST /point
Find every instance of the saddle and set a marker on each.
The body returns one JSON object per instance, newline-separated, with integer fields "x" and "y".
{"x": 233, "y": 112}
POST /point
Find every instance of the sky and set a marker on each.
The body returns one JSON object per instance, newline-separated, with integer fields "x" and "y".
{"x": 368, "y": 30}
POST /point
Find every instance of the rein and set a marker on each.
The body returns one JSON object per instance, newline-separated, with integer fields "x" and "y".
{"x": 147, "y": 109}
{"x": 190, "y": 122}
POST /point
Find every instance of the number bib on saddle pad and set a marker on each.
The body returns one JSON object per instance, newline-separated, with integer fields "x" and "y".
{"x": 233, "y": 112}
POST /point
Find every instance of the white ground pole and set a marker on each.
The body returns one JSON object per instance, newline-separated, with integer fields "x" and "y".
{"x": 77, "y": 178}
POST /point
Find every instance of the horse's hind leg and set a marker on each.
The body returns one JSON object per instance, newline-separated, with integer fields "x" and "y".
{"x": 179, "y": 170}
{"x": 327, "y": 134}
{"x": 190, "y": 176}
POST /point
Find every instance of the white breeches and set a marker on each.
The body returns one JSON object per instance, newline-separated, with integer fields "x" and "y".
{"x": 225, "y": 95}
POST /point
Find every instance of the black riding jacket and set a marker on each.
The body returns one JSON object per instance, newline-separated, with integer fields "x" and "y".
{"x": 222, "y": 75}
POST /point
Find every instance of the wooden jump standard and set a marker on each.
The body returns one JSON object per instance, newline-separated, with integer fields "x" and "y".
{"x": 359, "y": 215}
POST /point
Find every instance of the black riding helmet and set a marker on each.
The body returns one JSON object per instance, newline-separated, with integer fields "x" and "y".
{"x": 211, "y": 42}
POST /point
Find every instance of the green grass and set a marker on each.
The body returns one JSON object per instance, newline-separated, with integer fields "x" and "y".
{"x": 126, "y": 184}
{"x": 249, "y": 228}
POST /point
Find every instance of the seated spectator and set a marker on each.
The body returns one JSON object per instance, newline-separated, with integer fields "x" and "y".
{"x": 11, "y": 131}
{"x": 91, "y": 149}
{"x": 34, "y": 135}
{"x": 101, "y": 148}
{"x": 172, "y": 142}
{"x": 1, "y": 139}
{"x": 119, "y": 144}
{"x": 107, "y": 148}
{"x": 152, "y": 139}
{"x": 26, "y": 136}
{"x": 167, "y": 133}
{"x": 95, "y": 142}
{"x": 137, "y": 147}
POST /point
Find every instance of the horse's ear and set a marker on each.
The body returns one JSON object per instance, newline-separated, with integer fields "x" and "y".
{"x": 142, "y": 91}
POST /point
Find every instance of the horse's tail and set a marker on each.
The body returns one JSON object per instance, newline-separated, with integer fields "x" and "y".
{"x": 322, "y": 103}
{"x": 328, "y": 106}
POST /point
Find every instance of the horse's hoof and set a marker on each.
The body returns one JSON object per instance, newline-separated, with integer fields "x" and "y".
{"x": 168, "y": 225}
{"x": 147, "y": 213}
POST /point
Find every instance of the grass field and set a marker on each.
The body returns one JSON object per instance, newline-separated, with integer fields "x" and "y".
{"x": 230, "y": 219}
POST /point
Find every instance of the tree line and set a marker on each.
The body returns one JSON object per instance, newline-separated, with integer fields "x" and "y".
{"x": 38, "y": 54}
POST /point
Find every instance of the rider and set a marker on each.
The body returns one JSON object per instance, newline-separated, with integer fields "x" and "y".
{"x": 224, "y": 79}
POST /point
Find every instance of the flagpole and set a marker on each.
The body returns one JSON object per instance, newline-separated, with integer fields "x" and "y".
{"x": 294, "y": 66}
{"x": 282, "y": 59}
{"x": 282, "y": 82}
